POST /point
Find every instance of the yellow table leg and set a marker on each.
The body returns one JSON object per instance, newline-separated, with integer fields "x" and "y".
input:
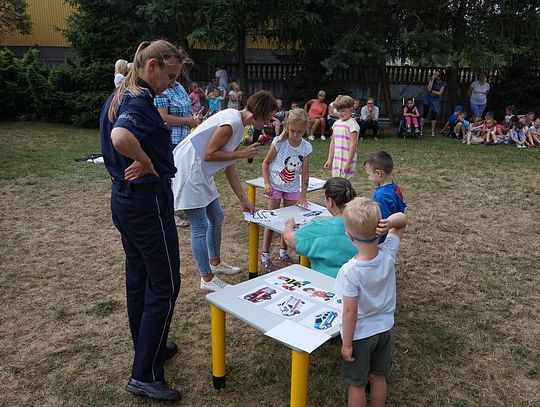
{"x": 253, "y": 250}
{"x": 299, "y": 378}
{"x": 217, "y": 322}
{"x": 304, "y": 261}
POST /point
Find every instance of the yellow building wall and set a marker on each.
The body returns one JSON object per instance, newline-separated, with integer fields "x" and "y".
{"x": 46, "y": 16}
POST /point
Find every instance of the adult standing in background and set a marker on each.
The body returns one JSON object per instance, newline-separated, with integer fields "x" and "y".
{"x": 120, "y": 71}
{"x": 432, "y": 99}
{"x": 316, "y": 110}
{"x": 210, "y": 147}
{"x": 174, "y": 106}
{"x": 369, "y": 119}
{"x": 222, "y": 79}
{"x": 478, "y": 92}
{"x": 136, "y": 147}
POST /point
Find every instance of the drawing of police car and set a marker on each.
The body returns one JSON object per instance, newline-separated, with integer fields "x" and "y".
{"x": 262, "y": 294}
{"x": 324, "y": 321}
{"x": 291, "y": 306}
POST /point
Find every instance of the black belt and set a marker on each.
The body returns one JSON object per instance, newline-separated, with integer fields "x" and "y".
{"x": 160, "y": 185}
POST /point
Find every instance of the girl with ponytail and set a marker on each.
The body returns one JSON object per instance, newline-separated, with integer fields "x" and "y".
{"x": 324, "y": 240}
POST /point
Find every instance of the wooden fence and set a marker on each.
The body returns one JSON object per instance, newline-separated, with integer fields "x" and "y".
{"x": 359, "y": 81}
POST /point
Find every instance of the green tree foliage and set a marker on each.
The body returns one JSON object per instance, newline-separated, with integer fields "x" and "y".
{"x": 14, "y": 17}
{"x": 106, "y": 30}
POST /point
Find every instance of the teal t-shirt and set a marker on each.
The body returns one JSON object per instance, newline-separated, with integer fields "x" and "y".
{"x": 325, "y": 243}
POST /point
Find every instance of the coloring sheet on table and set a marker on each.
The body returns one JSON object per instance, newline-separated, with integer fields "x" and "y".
{"x": 260, "y": 295}
{"x": 287, "y": 282}
{"x": 290, "y": 306}
{"x": 337, "y": 302}
{"x": 324, "y": 319}
{"x": 263, "y": 216}
{"x": 317, "y": 294}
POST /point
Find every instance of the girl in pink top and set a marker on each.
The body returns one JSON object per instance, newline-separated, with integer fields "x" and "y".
{"x": 195, "y": 94}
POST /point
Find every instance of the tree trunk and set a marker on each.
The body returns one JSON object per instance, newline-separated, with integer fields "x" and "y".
{"x": 242, "y": 67}
{"x": 387, "y": 96}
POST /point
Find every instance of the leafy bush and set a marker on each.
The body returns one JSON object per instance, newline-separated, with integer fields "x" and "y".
{"x": 68, "y": 93}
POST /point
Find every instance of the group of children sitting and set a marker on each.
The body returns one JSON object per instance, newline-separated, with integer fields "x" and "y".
{"x": 521, "y": 130}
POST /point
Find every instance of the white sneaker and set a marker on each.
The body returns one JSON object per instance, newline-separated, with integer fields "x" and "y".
{"x": 311, "y": 137}
{"x": 323, "y": 137}
{"x": 213, "y": 285}
{"x": 224, "y": 268}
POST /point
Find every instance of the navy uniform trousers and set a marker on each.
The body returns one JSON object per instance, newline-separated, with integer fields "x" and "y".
{"x": 145, "y": 220}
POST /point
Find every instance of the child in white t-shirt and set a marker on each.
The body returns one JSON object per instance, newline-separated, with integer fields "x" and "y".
{"x": 367, "y": 284}
{"x": 287, "y": 158}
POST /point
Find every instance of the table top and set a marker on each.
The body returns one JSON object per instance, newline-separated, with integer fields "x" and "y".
{"x": 265, "y": 302}
{"x": 275, "y": 219}
{"x": 314, "y": 184}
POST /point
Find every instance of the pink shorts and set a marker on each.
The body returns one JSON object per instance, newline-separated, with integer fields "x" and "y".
{"x": 286, "y": 196}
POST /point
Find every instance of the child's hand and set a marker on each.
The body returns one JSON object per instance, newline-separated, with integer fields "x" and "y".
{"x": 290, "y": 224}
{"x": 347, "y": 168}
{"x": 302, "y": 202}
{"x": 268, "y": 190}
{"x": 346, "y": 353}
{"x": 327, "y": 165}
{"x": 382, "y": 227}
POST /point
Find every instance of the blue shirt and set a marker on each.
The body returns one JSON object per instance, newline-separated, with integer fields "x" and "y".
{"x": 325, "y": 243}
{"x": 138, "y": 115}
{"x": 390, "y": 201}
{"x": 179, "y": 104}
{"x": 453, "y": 119}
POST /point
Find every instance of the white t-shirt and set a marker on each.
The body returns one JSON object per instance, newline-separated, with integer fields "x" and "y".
{"x": 193, "y": 185}
{"x": 118, "y": 78}
{"x": 374, "y": 283}
{"x": 221, "y": 74}
{"x": 286, "y": 167}
{"x": 364, "y": 113}
{"x": 479, "y": 93}
{"x": 233, "y": 104}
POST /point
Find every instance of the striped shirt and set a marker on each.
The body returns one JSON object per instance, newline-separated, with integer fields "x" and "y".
{"x": 179, "y": 104}
{"x": 341, "y": 134}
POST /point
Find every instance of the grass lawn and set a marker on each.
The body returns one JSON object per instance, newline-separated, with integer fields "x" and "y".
{"x": 467, "y": 324}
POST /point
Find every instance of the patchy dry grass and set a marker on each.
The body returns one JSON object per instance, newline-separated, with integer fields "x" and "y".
{"x": 468, "y": 326}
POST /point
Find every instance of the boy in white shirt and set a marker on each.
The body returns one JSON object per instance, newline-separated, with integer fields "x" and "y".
{"x": 367, "y": 284}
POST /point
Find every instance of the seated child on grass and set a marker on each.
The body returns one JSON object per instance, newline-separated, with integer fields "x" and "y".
{"x": 367, "y": 284}
{"x": 379, "y": 167}
{"x": 533, "y": 134}
{"x": 448, "y": 129}
{"x": 473, "y": 132}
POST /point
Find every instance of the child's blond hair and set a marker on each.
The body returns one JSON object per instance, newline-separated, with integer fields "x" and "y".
{"x": 361, "y": 217}
{"x": 343, "y": 102}
{"x": 295, "y": 115}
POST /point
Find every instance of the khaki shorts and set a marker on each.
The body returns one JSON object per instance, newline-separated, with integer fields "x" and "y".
{"x": 372, "y": 355}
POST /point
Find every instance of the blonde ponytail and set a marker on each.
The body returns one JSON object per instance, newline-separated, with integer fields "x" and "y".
{"x": 164, "y": 52}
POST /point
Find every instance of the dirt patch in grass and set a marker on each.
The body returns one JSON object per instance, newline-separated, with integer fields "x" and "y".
{"x": 467, "y": 328}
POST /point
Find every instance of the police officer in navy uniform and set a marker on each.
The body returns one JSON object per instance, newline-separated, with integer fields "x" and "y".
{"x": 137, "y": 150}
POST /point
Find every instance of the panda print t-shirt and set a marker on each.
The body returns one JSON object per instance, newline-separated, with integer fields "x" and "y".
{"x": 286, "y": 168}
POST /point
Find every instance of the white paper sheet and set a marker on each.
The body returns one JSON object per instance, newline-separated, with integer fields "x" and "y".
{"x": 297, "y": 336}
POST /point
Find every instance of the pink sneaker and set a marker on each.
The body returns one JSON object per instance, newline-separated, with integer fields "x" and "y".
{"x": 268, "y": 266}
{"x": 286, "y": 259}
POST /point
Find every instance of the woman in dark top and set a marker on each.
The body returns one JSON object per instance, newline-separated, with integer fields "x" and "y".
{"x": 432, "y": 99}
{"x": 137, "y": 149}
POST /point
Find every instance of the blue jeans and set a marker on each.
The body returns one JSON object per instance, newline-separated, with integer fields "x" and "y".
{"x": 478, "y": 110}
{"x": 206, "y": 224}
